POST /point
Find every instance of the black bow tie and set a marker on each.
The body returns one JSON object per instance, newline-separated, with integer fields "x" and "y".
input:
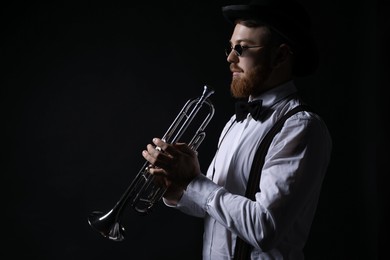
{"x": 243, "y": 108}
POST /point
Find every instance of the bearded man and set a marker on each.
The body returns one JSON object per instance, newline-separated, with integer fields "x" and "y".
{"x": 260, "y": 193}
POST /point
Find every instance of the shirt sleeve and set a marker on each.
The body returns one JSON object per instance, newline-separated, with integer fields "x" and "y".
{"x": 289, "y": 187}
{"x": 195, "y": 199}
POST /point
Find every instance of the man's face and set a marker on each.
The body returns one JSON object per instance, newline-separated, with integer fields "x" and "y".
{"x": 252, "y": 69}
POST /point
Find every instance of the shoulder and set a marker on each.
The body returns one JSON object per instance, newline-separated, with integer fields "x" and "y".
{"x": 301, "y": 116}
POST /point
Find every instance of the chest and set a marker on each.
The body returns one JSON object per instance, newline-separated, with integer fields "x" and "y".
{"x": 233, "y": 160}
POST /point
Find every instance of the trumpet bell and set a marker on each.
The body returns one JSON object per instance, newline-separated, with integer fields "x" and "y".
{"x": 104, "y": 224}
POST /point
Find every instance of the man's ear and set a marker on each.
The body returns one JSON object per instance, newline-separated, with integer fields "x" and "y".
{"x": 283, "y": 54}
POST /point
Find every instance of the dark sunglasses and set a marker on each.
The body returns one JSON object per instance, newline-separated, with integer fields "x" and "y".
{"x": 239, "y": 49}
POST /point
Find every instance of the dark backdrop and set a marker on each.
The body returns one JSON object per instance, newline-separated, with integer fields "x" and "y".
{"x": 86, "y": 85}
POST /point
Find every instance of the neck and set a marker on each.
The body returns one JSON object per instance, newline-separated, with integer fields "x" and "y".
{"x": 278, "y": 76}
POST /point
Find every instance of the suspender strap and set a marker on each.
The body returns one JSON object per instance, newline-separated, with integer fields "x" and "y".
{"x": 243, "y": 249}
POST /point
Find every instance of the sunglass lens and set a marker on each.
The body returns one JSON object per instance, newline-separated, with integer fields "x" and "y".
{"x": 238, "y": 49}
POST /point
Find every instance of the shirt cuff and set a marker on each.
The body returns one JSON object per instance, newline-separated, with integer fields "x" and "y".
{"x": 169, "y": 203}
{"x": 198, "y": 194}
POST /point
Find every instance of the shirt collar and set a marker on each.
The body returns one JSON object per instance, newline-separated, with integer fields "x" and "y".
{"x": 275, "y": 94}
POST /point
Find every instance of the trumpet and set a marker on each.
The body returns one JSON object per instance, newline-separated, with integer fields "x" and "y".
{"x": 143, "y": 192}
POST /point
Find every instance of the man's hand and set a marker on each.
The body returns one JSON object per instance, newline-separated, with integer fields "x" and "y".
{"x": 178, "y": 163}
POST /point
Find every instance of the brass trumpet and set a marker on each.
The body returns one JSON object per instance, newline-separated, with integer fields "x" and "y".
{"x": 143, "y": 192}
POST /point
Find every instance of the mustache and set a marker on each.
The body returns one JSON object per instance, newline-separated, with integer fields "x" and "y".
{"x": 233, "y": 68}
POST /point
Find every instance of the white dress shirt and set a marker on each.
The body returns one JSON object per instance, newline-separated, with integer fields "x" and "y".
{"x": 277, "y": 223}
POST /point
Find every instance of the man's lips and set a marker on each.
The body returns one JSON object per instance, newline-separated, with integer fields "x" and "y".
{"x": 235, "y": 70}
{"x": 235, "y": 73}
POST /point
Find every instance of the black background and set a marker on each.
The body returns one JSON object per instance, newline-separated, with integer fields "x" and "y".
{"x": 86, "y": 86}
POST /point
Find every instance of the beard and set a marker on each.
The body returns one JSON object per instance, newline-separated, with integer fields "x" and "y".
{"x": 253, "y": 83}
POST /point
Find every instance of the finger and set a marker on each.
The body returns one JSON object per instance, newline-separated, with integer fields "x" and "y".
{"x": 157, "y": 171}
{"x": 148, "y": 157}
{"x": 167, "y": 148}
{"x": 153, "y": 152}
{"x": 157, "y": 158}
{"x": 160, "y": 143}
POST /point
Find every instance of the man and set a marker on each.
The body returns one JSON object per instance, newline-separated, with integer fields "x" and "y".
{"x": 270, "y": 45}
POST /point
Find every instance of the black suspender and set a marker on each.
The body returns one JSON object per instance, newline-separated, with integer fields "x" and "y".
{"x": 243, "y": 249}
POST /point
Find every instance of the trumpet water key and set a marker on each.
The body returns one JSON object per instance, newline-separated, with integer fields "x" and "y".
{"x": 143, "y": 193}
